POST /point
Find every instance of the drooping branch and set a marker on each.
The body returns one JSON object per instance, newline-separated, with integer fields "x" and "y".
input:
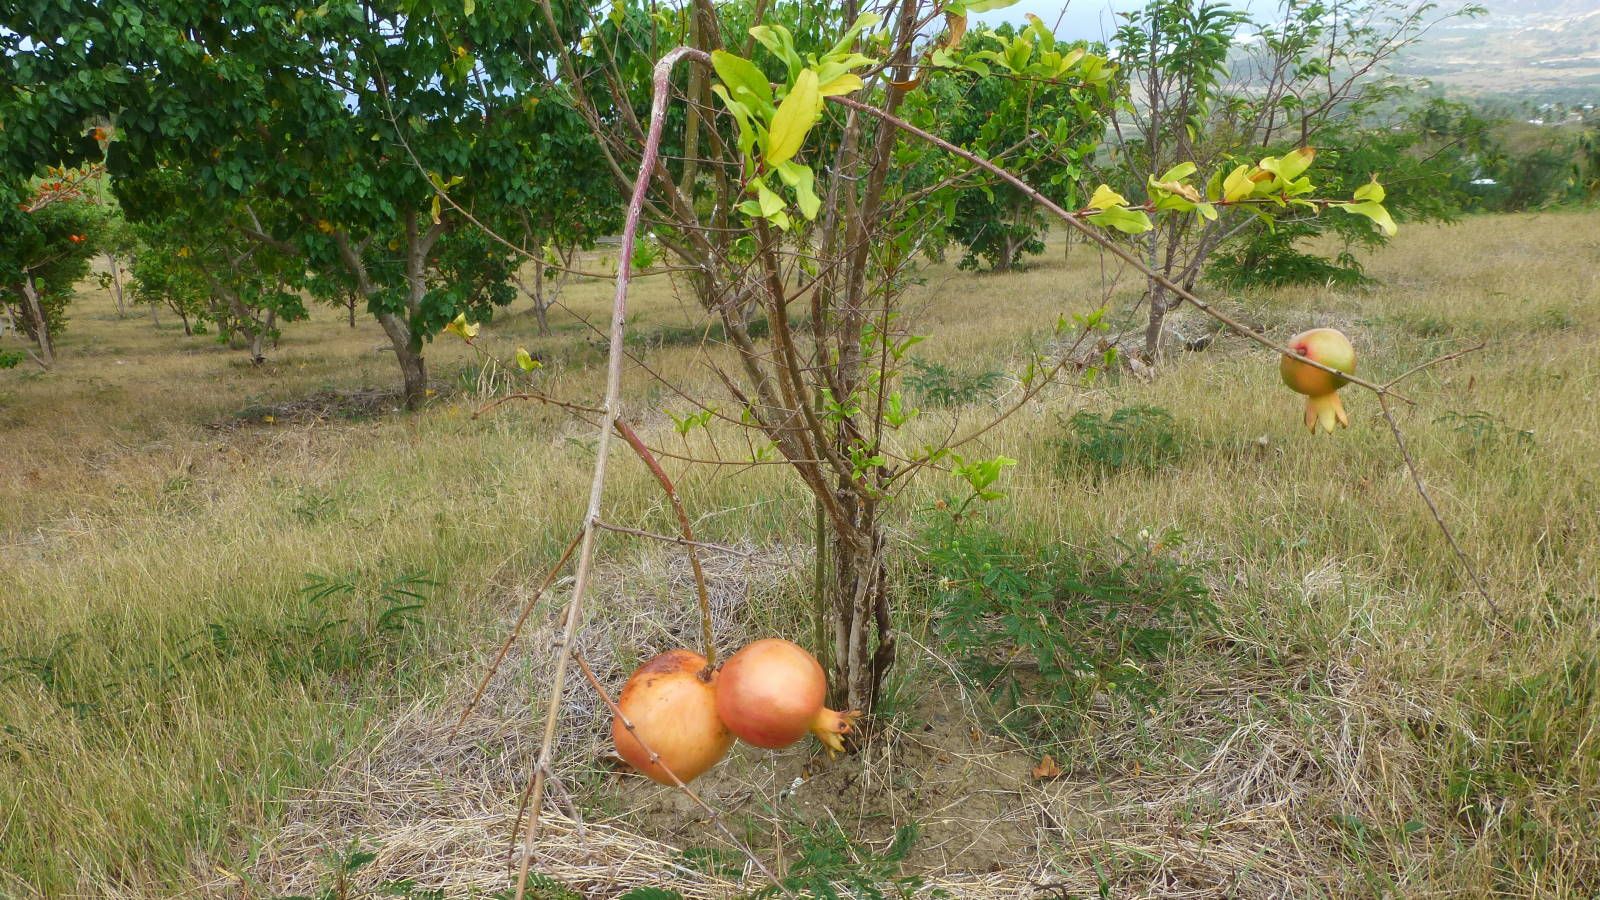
{"x": 1112, "y": 247}
{"x": 612, "y": 409}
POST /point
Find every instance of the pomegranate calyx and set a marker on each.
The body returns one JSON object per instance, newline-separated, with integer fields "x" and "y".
{"x": 830, "y": 726}
{"x": 1322, "y": 412}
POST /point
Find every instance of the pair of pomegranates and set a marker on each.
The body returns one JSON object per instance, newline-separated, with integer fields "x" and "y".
{"x": 769, "y": 694}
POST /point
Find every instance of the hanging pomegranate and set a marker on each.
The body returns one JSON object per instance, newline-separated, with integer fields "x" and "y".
{"x": 770, "y": 694}
{"x": 1332, "y": 349}
{"x": 674, "y": 712}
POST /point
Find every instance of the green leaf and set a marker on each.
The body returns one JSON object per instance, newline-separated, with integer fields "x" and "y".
{"x": 525, "y": 360}
{"x": 742, "y": 77}
{"x": 804, "y": 183}
{"x": 1372, "y": 190}
{"x": 1127, "y": 221}
{"x": 794, "y": 118}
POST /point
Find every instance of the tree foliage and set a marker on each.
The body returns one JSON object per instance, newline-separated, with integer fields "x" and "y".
{"x": 331, "y": 132}
{"x": 1046, "y": 131}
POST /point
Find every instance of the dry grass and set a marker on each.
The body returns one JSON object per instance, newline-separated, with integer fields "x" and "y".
{"x": 1352, "y": 725}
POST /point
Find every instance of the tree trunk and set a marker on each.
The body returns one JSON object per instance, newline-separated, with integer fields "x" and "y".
{"x": 351, "y": 305}
{"x": 1008, "y": 258}
{"x": 413, "y": 368}
{"x": 538, "y": 290}
{"x": 41, "y": 327}
{"x": 863, "y": 640}
{"x": 1152, "y": 330}
{"x": 116, "y": 284}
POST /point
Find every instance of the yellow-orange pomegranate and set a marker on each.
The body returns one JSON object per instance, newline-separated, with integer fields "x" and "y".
{"x": 770, "y": 694}
{"x": 1332, "y": 349}
{"x": 674, "y": 713}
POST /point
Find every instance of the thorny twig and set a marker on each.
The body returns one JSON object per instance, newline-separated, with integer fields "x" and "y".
{"x": 612, "y": 408}
{"x": 1449, "y": 536}
{"x": 516, "y": 631}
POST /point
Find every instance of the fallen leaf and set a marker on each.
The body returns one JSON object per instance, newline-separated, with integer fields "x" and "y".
{"x": 1047, "y": 768}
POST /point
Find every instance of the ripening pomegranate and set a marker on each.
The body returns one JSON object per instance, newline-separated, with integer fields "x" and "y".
{"x": 770, "y": 694}
{"x": 1332, "y": 349}
{"x": 674, "y": 711}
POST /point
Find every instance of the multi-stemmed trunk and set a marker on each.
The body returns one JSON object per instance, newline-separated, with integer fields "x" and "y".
{"x": 37, "y": 324}
{"x": 863, "y": 637}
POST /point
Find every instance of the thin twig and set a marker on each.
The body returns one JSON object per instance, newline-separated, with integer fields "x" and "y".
{"x": 516, "y": 631}
{"x": 671, "y": 539}
{"x": 535, "y": 395}
{"x": 1434, "y": 362}
{"x": 1416, "y": 478}
{"x": 689, "y": 543}
{"x": 612, "y": 407}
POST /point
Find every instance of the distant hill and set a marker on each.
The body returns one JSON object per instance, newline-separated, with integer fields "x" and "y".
{"x": 1538, "y": 49}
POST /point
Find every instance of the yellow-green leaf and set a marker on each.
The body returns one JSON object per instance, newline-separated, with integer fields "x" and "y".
{"x": 847, "y": 83}
{"x": 771, "y": 204}
{"x": 1372, "y": 190}
{"x": 1105, "y": 198}
{"x": 1127, "y": 221}
{"x": 1237, "y": 185}
{"x": 1179, "y": 172}
{"x": 794, "y": 118}
{"x": 741, "y": 76}
{"x": 525, "y": 360}
{"x": 1374, "y": 211}
{"x": 804, "y": 183}
{"x": 1291, "y": 164}
{"x": 461, "y": 327}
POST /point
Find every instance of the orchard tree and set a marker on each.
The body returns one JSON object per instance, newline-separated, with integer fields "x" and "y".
{"x": 48, "y": 231}
{"x": 327, "y": 128}
{"x": 1046, "y": 131}
{"x": 198, "y": 261}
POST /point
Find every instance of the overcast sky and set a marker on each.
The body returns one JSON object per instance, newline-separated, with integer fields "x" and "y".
{"x": 1085, "y": 19}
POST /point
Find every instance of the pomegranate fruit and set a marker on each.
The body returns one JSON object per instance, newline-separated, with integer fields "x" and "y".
{"x": 674, "y": 712}
{"x": 1332, "y": 349}
{"x": 770, "y": 694}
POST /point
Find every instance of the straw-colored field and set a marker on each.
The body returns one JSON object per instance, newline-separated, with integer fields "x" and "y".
{"x": 181, "y": 713}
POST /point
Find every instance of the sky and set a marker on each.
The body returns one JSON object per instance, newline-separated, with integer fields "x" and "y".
{"x": 1083, "y": 19}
